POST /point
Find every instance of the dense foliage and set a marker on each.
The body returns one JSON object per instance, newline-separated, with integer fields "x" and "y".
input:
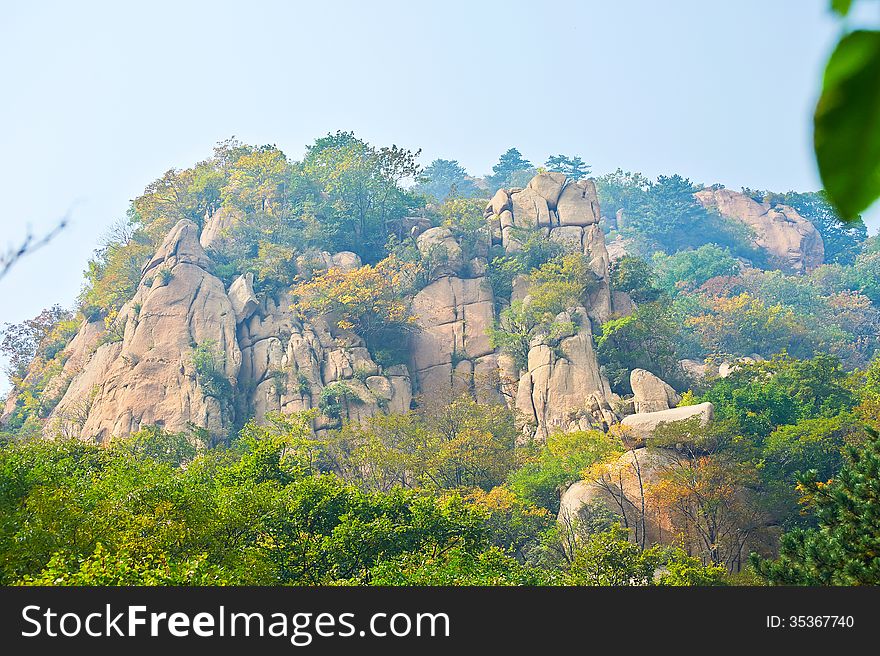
{"x": 451, "y": 493}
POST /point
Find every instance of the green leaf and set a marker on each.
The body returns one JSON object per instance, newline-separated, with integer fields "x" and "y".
{"x": 847, "y": 124}
{"x": 842, "y": 7}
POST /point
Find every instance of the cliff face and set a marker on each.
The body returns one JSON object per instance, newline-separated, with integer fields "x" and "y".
{"x": 190, "y": 353}
{"x": 185, "y": 351}
{"x": 149, "y": 375}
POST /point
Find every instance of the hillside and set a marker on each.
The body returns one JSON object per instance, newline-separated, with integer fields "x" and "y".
{"x": 563, "y": 352}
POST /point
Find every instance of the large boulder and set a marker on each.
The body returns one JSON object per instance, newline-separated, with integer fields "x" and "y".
{"x": 643, "y": 424}
{"x": 652, "y": 393}
{"x": 548, "y": 186}
{"x": 624, "y": 488}
{"x": 217, "y": 231}
{"x": 792, "y": 243}
{"x": 439, "y": 247}
{"x": 241, "y": 295}
{"x": 578, "y": 204}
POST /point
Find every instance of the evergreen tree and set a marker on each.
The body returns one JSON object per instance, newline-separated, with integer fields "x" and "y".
{"x": 573, "y": 167}
{"x": 443, "y": 177}
{"x": 845, "y": 547}
{"x": 508, "y": 164}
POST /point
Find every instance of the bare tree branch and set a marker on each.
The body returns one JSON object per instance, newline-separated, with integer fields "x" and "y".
{"x": 27, "y": 246}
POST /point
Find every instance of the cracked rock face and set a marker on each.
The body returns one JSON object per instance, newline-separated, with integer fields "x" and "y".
{"x": 149, "y": 376}
{"x": 451, "y": 352}
{"x": 563, "y": 388}
{"x": 188, "y": 353}
{"x": 287, "y": 363}
{"x": 567, "y": 212}
{"x": 792, "y": 243}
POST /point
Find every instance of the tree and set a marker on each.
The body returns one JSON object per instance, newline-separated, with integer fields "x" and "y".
{"x": 364, "y": 188}
{"x": 464, "y": 217}
{"x": 443, "y": 178}
{"x": 665, "y": 215}
{"x": 631, "y": 274}
{"x": 23, "y": 342}
{"x": 646, "y": 339}
{"x": 743, "y": 325}
{"x": 687, "y": 270}
{"x": 560, "y": 460}
{"x": 610, "y": 559}
{"x": 573, "y": 167}
{"x": 510, "y": 163}
{"x": 762, "y": 396}
{"x": 368, "y": 300}
{"x": 558, "y": 285}
{"x": 705, "y": 489}
{"x": 457, "y": 567}
{"x": 121, "y": 569}
{"x": 843, "y": 549}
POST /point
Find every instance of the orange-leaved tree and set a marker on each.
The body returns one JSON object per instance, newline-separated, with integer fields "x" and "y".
{"x": 371, "y": 300}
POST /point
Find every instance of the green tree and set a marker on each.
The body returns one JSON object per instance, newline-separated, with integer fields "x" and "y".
{"x": 561, "y": 460}
{"x": 631, "y": 274}
{"x": 443, "y": 178}
{"x": 687, "y": 270}
{"x": 842, "y": 240}
{"x": 364, "y": 188}
{"x": 764, "y": 395}
{"x": 646, "y": 339}
{"x": 509, "y": 164}
{"x": 843, "y": 548}
{"x": 573, "y": 167}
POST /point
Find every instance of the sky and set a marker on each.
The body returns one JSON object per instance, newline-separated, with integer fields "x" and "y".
{"x": 99, "y": 99}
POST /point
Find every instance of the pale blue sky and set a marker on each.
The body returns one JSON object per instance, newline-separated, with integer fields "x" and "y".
{"x": 101, "y": 98}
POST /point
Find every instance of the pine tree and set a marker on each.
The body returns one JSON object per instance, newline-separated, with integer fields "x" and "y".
{"x": 845, "y": 547}
{"x": 508, "y": 164}
{"x": 573, "y": 167}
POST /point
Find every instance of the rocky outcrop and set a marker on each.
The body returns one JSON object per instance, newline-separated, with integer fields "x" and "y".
{"x": 151, "y": 375}
{"x": 74, "y": 356}
{"x": 643, "y": 424}
{"x": 439, "y": 248}
{"x": 311, "y": 262}
{"x": 185, "y": 351}
{"x": 697, "y": 371}
{"x": 792, "y": 243}
{"x": 287, "y": 364}
{"x": 566, "y": 212}
{"x": 651, "y": 393}
{"x": 563, "y": 389}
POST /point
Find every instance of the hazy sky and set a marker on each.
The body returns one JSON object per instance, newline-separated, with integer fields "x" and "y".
{"x": 99, "y": 99}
